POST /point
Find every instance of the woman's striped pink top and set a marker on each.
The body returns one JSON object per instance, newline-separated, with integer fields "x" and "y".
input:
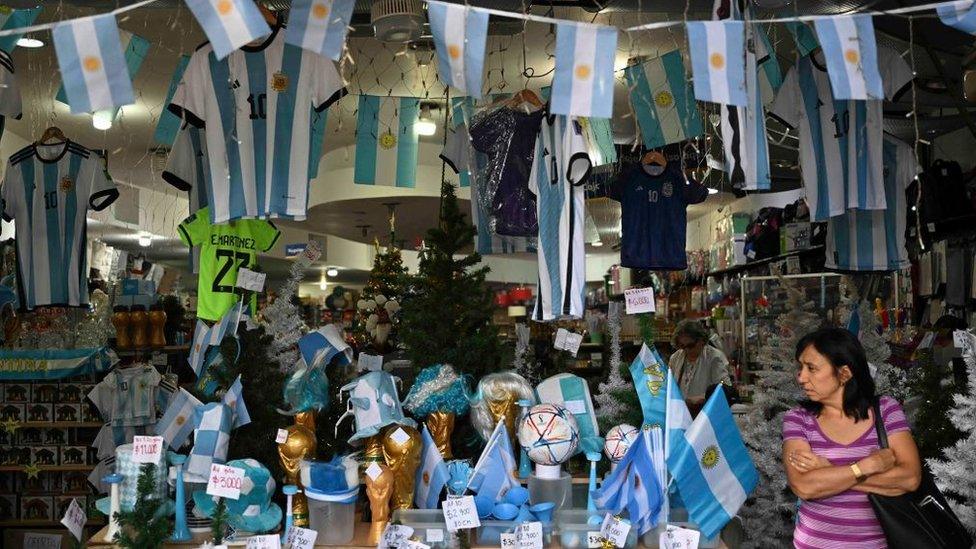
{"x": 845, "y": 520}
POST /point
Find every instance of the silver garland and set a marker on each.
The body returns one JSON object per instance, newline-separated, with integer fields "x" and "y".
{"x": 282, "y": 319}
{"x": 610, "y": 408}
{"x": 445, "y": 377}
{"x": 522, "y": 364}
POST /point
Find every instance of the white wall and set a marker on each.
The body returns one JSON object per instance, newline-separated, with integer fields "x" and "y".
{"x": 701, "y": 233}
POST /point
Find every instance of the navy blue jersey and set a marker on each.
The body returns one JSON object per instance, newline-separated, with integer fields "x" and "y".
{"x": 655, "y": 217}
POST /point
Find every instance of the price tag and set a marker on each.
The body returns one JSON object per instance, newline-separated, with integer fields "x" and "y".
{"x": 594, "y": 540}
{"x": 225, "y": 481}
{"x": 435, "y": 535}
{"x": 460, "y": 513}
{"x": 147, "y": 449}
{"x": 301, "y": 538}
{"x": 959, "y": 338}
{"x": 410, "y": 544}
{"x": 927, "y": 341}
{"x": 509, "y": 540}
{"x": 159, "y": 359}
{"x": 372, "y": 363}
{"x": 529, "y": 535}
{"x": 676, "y": 537}
{"x": 751, "y": 254}
{"x": 575, "y": 406}
{"x": 250, "y": 280}
{"x": 639, "y": 300}
{"x": 74, "y": 519}
{"x": 400, "y": 436}
{"x": 374, "y": 471}
{"x": 573, "y": 342}
{"x": 282, "y": 436}
{"x": 615, "y": 530}
{"x": 395, "y": 535}
{"x": 560, "y": 342}
{"x": 269, "y": 541}
{"x": 36, "y": 540}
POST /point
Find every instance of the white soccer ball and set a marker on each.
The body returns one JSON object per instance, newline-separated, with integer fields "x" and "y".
{"x": 618, "y": 441}
{"x": 549, "y": 434}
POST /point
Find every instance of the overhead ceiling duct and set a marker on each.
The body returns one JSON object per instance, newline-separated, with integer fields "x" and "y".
{"x": 397, "y": 20}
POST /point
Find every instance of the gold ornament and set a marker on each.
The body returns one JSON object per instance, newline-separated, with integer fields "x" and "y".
{"x": 299, "y": 445}
{"x": 32, "y": 470}
{"x": 441, "y": 424}
{"x": 120, "y": 319}
{"x": 10, "y": 426}
{"x": 403, "y": 458}
{"x": 378, "y": 491}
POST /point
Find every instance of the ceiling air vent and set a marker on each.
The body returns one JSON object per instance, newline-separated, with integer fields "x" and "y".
{"x": 397, "y": 20}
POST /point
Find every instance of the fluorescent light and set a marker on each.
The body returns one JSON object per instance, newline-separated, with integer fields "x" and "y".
{"x": 28, "y": 42}
{"x": 145, "y": 240}
{"x": 102, "y": 120}
{"x": 332, "y": 271}
{"x": 712, "y": 190}
{"x": 597, "y": 243}
{"x": 425, "y": 126}
{"x": 323, "y": 283}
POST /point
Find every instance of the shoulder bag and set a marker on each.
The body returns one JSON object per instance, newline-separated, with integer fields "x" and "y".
{"x": 917, "y": 519}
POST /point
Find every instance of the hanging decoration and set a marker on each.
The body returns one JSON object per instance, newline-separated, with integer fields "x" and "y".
{"x": 93, "y": 67}
{"x": 11, "y": 19}
{"x": 386, "y": 141}
{"x": 460, "y": 34}
{"x": 320, "y": 25}
{"x": 169, "y": 123}
{"x": 229, "y": 24}
{"x": 851, "y": 53}
{"x": 666, "y": 113}
{"x": 718, "y": 61}
{"x": 134, "y": 51}
{"x": 803, "y": 37}
{"x": 959, "y": 15}
{"x": 583, "y": 82}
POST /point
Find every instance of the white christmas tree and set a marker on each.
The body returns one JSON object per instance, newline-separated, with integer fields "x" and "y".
{"x": 524, "y": 364}
{"x": 611, "y": 409}
{"x": 282, "y": 318}
{"x": 955, "y": 474}
{"x": 768, "y": 515}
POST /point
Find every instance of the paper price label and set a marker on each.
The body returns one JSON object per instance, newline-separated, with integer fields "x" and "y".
{"x": 400, "y": 436}
{"x": 529, "y": 535}
{"x": 560, "y": 342}
{"x": 147, "y": 449}
{"x": 225, "y": 481}
{"x": 460, "y": 513}
{"x": 159, "y": 359}
{"x": 573, "y": 342}
{"x": 301, "y": 538}
{"x": 594, "y": 540}
{"x": 435, "y": 535}
{"x": 676, "y": 537}
{"x": 959, "y": 338}
{"x": 372, "y": 363}
{"x": 269, "y": 541}
{"x": 395, "y": 535}
{"x": 250, "y": 280}
{"x": 282, "y": 436}
{"x": 639, "y": 300}
{"x": 374, "y": 471}
{"x": 74, "y": 519}
{"x": 35, "y": 540}
{"x": 575, "y": 406}
{"x": 615, "y": 530}
{"x": 508, "y": 540}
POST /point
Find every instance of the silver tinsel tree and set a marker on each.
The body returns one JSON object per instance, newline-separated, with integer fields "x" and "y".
{"x": 610, "y": 409}
{"x": 525, "y": 364}
{"x": 768, "y": 514}
{"x": 282, "y": 318}
{"x": 955, "y": 475}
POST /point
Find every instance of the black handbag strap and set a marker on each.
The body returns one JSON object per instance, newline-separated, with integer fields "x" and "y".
{"x": 879, "y": 425}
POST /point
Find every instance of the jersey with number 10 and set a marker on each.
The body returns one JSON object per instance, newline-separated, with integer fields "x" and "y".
{"x": 224, "y": 249}
{"x": 258, "y": 107}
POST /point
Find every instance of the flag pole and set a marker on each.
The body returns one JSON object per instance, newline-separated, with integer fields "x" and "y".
{"x": 667, "y": 445}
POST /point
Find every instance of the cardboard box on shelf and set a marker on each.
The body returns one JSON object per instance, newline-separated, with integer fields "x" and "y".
{"x": 40, "y": 412}
{"x": 71, "y": 393}
{"x": 44, "y": 392}
{"x": 16, "y": 392}
{"x": 794, "y": 236}
{"x": 67, "y": 412}
{"x": 36, "y": 508}
{"x": 8, "y": 506}
{"x": 73, "y": 455}
{"x": 44, "y": 455}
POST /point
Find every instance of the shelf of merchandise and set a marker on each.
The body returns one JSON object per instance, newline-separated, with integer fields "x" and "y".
{"x": 59, "y": 424}
{"x": 742, "y": 268}
{"x": 44, "y": 522}
{"x": 150, "y": 350}
{"x": 46, "y": 468}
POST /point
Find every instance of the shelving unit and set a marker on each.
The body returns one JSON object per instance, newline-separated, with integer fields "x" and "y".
{"x": 46, "y": 468}
{"x": 58, "y": 424}
{"x": 766, "y": 261}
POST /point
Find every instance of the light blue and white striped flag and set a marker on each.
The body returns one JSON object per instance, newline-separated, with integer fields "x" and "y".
{"x": 599, "y": 138}
{"x": 678, "y": 418}
{"x": 803, "y": 37}
{"x": 205, "y": 335}
{"x": 134, "y": 49}
{"x": 169, "y": 123}
{"x": 211, "y": 439}
{"x": 229, "y": 24}
{"x": 770, "y": 74}
{"x": 496, "y": 470}
{"x": 851, "y": 54}
{"x": 460, "y": 34}
{"x": 234, "y": 399}
{"x": 386, "y": 141}
{"x": 432, "y": 476}
{"x": 712, "y": 468}
{"x": 320, "y": 25}
{"x": 177, "y": 422}
{"x": 15, "y": 19}
{"x": 650, "y": 372}
{"x": 634, "y": 485}
{"x": 93, "y": 67}
{"x": 663, "y": 101}
{"x": 583, "y": 82}
{"x": 323, "y": 345}
{"x": 959, "y": 15}
{"x": 718, "y": 61}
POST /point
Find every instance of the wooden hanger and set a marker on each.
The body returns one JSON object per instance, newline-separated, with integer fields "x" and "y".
{"x": 654, "y": 157}
{"x": 52, "y": 132}
{"x": 526, "y": 96}
{"x": 269, "y": 15}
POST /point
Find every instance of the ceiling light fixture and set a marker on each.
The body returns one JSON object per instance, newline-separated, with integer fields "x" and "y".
{"x": 145, "y": 240}
{"x": 712, "y": 190}
{"x": 102, "y": 120}
{"x": 332, "y": 272}
{"x": 29, "y": 42}
{"x": 425, "y": 126}
{"x": 596, "y": 243}
{"x": 323, "y": 282}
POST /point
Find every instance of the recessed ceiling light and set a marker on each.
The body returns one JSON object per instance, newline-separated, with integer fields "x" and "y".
{"x": 332, "y": 271}
{"x": 102, "y": 120}
{"x": 712, "y": 190}
{"x": 596, "y": 244}
{"x": 145, "y": 240}
{"x": 28, "y": 42}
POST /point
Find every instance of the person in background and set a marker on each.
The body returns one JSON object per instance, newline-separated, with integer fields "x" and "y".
{"x": 696, "y": 364}
{"x": 830, "y": 446}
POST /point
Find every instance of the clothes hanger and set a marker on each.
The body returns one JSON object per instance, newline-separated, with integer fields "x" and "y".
{"x": 654, "y": 158}
{"x": 269, "y": 15}
{"x": 52, "y": 132}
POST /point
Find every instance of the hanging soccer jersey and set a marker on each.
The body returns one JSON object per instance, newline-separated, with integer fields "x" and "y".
{"x": 10, "y": 104}
{"x": 258, "y": 107}
{"x": 47, "y": 191}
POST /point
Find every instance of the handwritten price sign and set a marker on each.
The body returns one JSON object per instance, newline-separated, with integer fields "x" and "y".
{"x": 147, "y": 449}
{"x": 460, "y": 513}
{"x": 250, "y": 280}
{"x": 301, "y": 538}
{"x": 395, "y": 536}
{"x": 529, "y": 535}
{"x": 615, "y": 530}
{"x": 639, "y": 300}
{"x": 676, "y": 537}
{"x": 264, "y": 542}
{"x": 225, "y": 481}
{"x": 35, "y": 540}
{"x": 74, "y": 519}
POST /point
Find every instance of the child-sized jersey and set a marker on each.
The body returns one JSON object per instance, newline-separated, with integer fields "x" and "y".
{"x": 258, "y": 108}
{"x": 224, "y": 249}
{"x": 47, "y": 191}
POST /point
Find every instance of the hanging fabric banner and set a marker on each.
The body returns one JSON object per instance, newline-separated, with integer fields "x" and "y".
{"x": 93, "y": 68}
{"x": 386, "y": 141}
{"x": 718, "y": 61}
{"x": 959, "y": 15}
{"x": 851, "y": 54}
{"x": 169, "y": 124}
{"x": 663, "y": 101}
{"x": 134, "y": 51}
{"x": 15, "y": 19}
{"x": 229, "y": 24}
{"x": 320, "y": 25}
{"x": 583, "y": 82}
{"x": 42, "y": 364}
{"x": 460, "y": 34}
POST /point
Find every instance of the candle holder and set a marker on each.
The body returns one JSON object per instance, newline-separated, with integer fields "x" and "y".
{"x": 113, "y": 480}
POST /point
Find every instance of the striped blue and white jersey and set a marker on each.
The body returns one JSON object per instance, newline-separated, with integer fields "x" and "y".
{"x": 10, "y": 103}
{"x": 840, "y": 141}
{"x": 47, "y": 191}
{"x": 188, "y": 169}
{"x": 559, "y": 170}
{"x": 875, "y": 240}
{"x": 258, "y": 108}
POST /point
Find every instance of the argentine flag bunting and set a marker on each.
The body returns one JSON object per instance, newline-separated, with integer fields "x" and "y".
{"x": 712, "y": 468}
{"x": 205, "y": 335}
{"x": 583, "y": 82}
{"x": 320, "y": 25}
{"x": 460, "y": 34}
{"x": 15, "y": 19}
{"x": 718, "y": 61}
{"x": 959, "y": 15}
{"x": 851, "y": 54}
{"x": 386, "y": 141}
{"x": 229, "y": 24}
{"x": 169, "y": 123}
{"x": 663, "y": 101}
{"x": 803, "y": 37}
{"x": 93, "y": 68}
{"x": 432, "y": 476}
{"x": 770, "y": 74}
{"x": 177, "y": 422}
{"x": 134, "y": 50}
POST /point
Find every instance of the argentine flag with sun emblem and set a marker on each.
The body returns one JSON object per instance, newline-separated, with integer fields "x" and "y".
{"x": 432, "y": 476}
{"x": 718, "y": 61}
{"x": 93, "y": 68}
{"x": 460, "y": 34}
{"x": 320, "y": 25}
{"x": 663, "y": 101}
{"x": 583, "y": 82}
{"x": 386, "y": 141}
{"x": 711, "y": 467}
{"x": 851, "y": 54}
{"x": 229, "y": 24}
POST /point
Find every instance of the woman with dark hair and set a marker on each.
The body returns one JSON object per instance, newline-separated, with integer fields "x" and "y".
{"x": 830, "y": 446}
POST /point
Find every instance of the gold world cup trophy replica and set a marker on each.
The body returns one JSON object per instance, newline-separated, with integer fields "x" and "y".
{"x": 299, "y": 445}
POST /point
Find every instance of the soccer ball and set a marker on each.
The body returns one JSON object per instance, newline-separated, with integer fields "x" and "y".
{"x": 619, "y": 439}
{"x": 549, "y": 434}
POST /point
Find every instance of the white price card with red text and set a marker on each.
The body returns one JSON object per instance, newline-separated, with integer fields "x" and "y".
{"x": 147, "y": 449}
{"x": 460, "y": 513}
{"x": 225, "y": 481}
{"x": 74, "y": 519}
{"x": 639, "y": 300}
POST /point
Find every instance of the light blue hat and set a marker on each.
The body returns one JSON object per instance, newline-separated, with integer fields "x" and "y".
{"x": 438, "y": 388}
{"x": 254, "y": 510}
{"x": 374, "y": 403}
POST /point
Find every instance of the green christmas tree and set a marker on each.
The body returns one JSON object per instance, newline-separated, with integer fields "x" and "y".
{"x": 377, "y": 311}
{"x": 145, "y": 526}
{"x": 446, "y": 315}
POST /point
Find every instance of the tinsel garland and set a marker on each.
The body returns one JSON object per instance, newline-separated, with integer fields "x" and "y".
{"x": 610, "y": 408}
{"x": 282, "y": 318}
{"x": 526, "y": 367}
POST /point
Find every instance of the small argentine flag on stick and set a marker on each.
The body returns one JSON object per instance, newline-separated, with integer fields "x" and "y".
{"x": 583, "y": 81}
{"x": 718, "y": 61}
{"x": 229, "y": 24}
{"x": 851, "y": 54}
{"x": 93, "y": 69}
{"x": 320, "y": 25}
{"x": 460, "y": 34}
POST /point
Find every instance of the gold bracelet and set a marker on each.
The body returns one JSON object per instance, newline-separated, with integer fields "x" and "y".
{"x": 861, "y": 477}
